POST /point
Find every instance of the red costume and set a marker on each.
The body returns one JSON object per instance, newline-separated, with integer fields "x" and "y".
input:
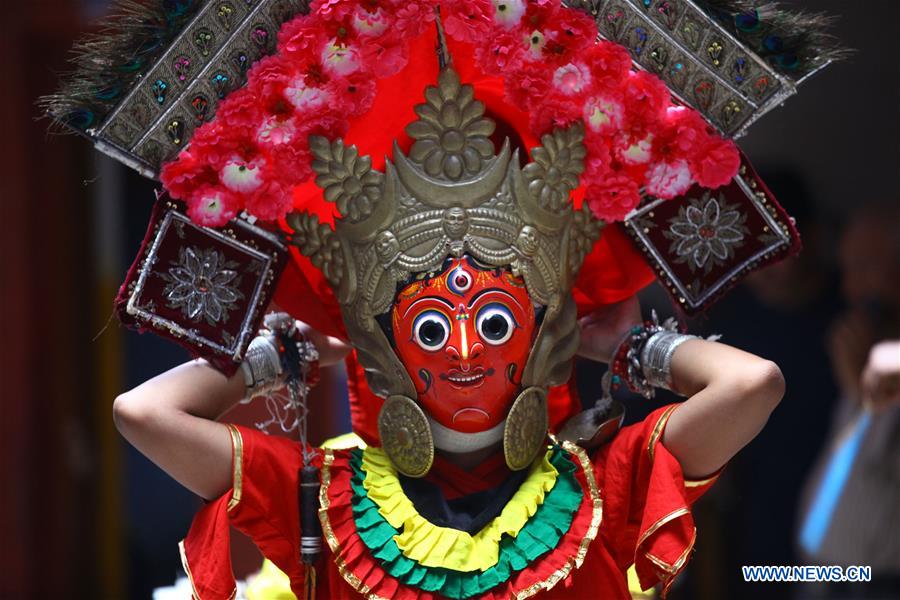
{"x": 635, "y": 510}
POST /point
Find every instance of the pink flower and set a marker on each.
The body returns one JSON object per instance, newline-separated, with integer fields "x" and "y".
{"x": 633, "y": 151}
{"x": 614, "y": 198}
{"x": 534, "y": 42}
{"x": 717, "y": 164}
{"x": 304, "y": 97}
{"x": 212, "y": 206}
{"x": 240, "y": 110}
{"x": 603, "y": 114}
{"x": 385, "y": 60}
{"x": 369, "y": 23}
{"x": 668, "y": 180}
{"x": 326, "y": 123}
{"x": 508, "y": 13}
{"x": 339, "y": 58}
{"x": 275, "y": 131}
{"x": 242, "y": 176}
{"x": 571, "y": 78}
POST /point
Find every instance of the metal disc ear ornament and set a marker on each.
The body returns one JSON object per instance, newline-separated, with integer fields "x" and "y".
{"x": 406, "y": 436}
{"x": 526, "y": 428}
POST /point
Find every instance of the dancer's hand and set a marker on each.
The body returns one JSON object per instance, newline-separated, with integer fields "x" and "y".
{"x": 603, "y": 329}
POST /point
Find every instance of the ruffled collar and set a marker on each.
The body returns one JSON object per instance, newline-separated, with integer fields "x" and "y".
{"x": 432, "y": 546}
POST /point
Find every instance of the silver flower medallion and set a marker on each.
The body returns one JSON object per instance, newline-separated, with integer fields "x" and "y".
{"x": 706, "y": 233}
{"x": 202, "y": 284}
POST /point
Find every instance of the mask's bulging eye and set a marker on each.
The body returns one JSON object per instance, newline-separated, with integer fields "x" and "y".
{"x": 459, "y": 281}
{"x": 495, "y": 323}
{"x": 431, "y": 329}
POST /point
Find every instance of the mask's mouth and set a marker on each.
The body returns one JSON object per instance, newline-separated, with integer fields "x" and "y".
{"x": 466, "y": 379}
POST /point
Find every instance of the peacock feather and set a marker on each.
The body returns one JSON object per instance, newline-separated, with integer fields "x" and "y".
{"x": 795, "y": 43}
{"x": 107, "y": 62}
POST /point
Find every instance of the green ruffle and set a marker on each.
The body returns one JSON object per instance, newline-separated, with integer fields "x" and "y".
{"x": 537, "y": 537}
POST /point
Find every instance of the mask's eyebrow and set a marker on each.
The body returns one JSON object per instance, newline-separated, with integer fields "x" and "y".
{"x": 489, "y": 290}
{"x": 438, "y": 298}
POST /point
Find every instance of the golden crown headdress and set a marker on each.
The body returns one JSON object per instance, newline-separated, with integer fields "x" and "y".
{"x": 452, "y": 194}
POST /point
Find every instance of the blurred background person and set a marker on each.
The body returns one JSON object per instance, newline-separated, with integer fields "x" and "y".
{"x": 851, "y": 509}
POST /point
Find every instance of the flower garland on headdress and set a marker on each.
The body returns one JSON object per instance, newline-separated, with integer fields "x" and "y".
{"x": 324, "y": 74}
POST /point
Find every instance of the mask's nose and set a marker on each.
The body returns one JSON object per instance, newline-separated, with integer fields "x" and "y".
{"x": 464, "y": 346}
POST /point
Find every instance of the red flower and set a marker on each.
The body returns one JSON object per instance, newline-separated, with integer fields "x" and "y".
{"x": 716, "y": 164}
{"x": 468, "y": 20}
{"x": 529, "y": 84}
{"x": 215, "y": 144}
{"x": 598, "y": 162}
{"x": 271, "y": 69}
{"x": 610, "y": 64}
{"x": 552, "y": 112}
{"x": 354, "y": 94}
{"x": 185, "y": 174}
{"x": 240, "y": 112}
{"x": 383, "y": 58}
{"x": 301, "y": 37}
{"x": 290, "y": 163}
{"x": 683, "y": 135}
{"x": 614, "y": 198}
{"x": 271, "y": 202}
{"x": 334, "y": 10}
{"x": 646, "y": 99}
{"x": 501, "y": 52}
{"x": 412, "y": 17}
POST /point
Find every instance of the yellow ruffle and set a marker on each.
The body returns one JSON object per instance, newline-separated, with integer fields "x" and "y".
{"x": 434, "y": 546}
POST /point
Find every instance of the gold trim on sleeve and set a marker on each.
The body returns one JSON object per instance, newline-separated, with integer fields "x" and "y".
{"x": 237, "y": 461}
{"x": 187, "y": 569}
{"x": 693, "y": 483}
{"x": 664, "y": 520}
{"x": 658, "y": 430}
{"x": 668, "y": 572}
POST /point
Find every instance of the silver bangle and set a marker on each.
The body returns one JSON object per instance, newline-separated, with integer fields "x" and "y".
{"x": 262, "y": 367}
{"x": 656, "y": 357}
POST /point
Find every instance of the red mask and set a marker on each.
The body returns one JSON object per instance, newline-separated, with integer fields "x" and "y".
{"x": 464, "y": 337}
